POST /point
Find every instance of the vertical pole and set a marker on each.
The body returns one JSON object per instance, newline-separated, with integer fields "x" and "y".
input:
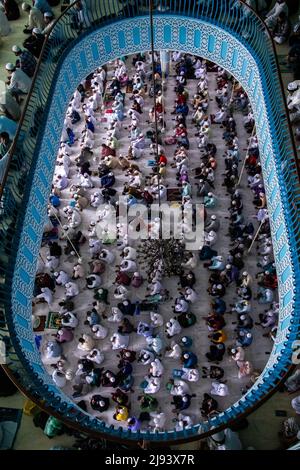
{"x": 255, "y": 237}
{"x": 232, "y": 90}
{"x": 42, "y": 258}
{"x": 246, "y": 156}
{"x": 165, "y": 68}
{"x": 71, "y": 243}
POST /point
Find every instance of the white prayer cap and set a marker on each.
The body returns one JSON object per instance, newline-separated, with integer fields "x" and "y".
{"x": 25, "y": 6}
{"x": 10, "y": 66}
{"x": 48, "y": 14}
{"x": 16, "y": 49}
{"x": 37, "y": 31}
{"x": 292, "y": 86}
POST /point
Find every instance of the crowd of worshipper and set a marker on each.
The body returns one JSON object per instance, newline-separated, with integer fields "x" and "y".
{"x": 21, "y": 68}
{"x": 113, "y": 307}
{"x": 41, "y": 18}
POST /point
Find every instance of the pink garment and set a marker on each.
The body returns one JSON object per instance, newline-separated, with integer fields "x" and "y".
{"x": 137, "y": 281}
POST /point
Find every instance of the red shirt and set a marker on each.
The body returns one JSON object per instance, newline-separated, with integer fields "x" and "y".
{"x": 163, "y": 159}
{"x": 181, "y": 99}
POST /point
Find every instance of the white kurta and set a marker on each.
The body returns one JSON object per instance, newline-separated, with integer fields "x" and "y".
{"x": 20, "y": 81}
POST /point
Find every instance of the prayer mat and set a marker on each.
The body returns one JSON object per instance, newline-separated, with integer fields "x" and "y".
{"x": 40, "y": 323}
{"x": 53, "y": 321}
{"x": 174, "y": 194}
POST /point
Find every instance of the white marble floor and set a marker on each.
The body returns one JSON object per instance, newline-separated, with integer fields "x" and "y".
{"x": 261, "y": 346}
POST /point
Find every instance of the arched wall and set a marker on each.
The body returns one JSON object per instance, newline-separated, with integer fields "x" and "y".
{"x": 126, "y": 37}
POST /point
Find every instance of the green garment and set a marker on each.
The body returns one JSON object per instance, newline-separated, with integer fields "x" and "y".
{"x": 149, "y": 403}
{"x": 53, "y": 427}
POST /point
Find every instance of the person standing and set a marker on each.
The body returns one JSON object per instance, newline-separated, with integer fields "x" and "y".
{"x": 11, "y": 10}
{"x": 35, "y": 18}
{"x": 5, "y": 29}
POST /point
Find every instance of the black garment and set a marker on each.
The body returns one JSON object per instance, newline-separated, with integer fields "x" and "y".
{"x": 186, "y": 319}
{"x": 75, "y": 116}
{"x": 120, "y": 397}
{"x": 127, "y": 309}
{"x": 7, "y": 387}
{"x": 115, "y": 85}
{"x": 127, "y": 355}
{"x": 293, "y": 6}
{"x": 87, "y": 366}
{"x": 44, "y": 280}
{"x": 209, "y": 405}
{"x": 103, "y": 170}
{"x": 67, "y": 305}
{"x": 216, "y": 291}
{"x": 182, "y": 402}
{"x": 214, "y": 372}
{"x": 84, "y": 156}
{"x": 55, "y": 249}
{"x": 216, "y": 352}
{"x": 124, "y": 372}
{"x": 34, "y": 44}
{"x": 125, "y": 327}
{"x": 144, "y": 416}
{"x": 85, "y": 168}
{"x": 187, "y": 279}
{"x": 247, "y": 323}
{"x": 106, "y": 379}
{"x": 11, "y": 10}
{"x": 99, "y": 403}
{"x": 27, "y": 62}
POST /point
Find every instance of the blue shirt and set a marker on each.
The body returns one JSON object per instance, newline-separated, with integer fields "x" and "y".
{"x": 54, "y": 200}
{"x": 191, "y": 361}
{"x": 8, "y": 125}
{"x": 43, "y": 5}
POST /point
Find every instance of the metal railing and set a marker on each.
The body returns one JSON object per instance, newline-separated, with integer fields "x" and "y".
{"x": 231, "y": 16}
